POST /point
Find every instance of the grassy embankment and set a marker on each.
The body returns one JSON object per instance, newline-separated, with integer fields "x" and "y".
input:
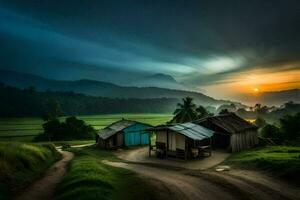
{"x": 20, "y": 164}
{"x": 89, "y": 178}
{"x": 25, "y": 129}
{"x": 282, "y": 161}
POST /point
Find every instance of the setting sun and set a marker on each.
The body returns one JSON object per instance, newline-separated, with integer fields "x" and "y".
{"x": 256, "y": 90}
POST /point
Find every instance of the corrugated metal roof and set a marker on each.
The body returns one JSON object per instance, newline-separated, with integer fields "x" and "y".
{"x": 193, "y": 131}
{"x": 114, "y": 128}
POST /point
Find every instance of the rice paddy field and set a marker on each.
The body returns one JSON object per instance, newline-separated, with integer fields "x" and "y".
{"x": 25, "y": 129}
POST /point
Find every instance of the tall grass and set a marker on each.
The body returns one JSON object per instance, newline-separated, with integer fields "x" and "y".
{"x": 21, "y": 163}
{"x": 89, "y": 178}
{"x": 283, "y": 161}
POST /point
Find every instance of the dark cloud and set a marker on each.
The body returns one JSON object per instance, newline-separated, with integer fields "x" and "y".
{"x": 198, "y": 42}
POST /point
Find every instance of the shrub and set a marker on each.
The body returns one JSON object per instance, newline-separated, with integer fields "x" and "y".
{"x": 271, "y": 131}
{"x": 71, "y": 129}
{"x": 290, "y": 126}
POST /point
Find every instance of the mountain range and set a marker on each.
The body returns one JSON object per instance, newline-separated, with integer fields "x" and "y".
{"x": 158, "y": 80}
{"x": 165, "y": 85}
{"x": 105, "y": 89}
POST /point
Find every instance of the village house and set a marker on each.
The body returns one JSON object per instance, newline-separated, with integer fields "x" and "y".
{"x": 231, "y": 132}
{"x": 185, "y": 140}
{"x": 123, "y": 133}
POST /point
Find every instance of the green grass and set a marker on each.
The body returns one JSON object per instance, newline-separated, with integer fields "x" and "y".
{"x": 89, "y": 178}
{"x": 22, "y": 163}
{"x": 283, "y": 161}
{"x": 10, "y": 127}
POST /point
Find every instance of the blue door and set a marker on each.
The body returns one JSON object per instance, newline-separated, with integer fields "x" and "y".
{"x": 136, "y": 135}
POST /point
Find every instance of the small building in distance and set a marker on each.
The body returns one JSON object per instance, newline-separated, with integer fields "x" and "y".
{"x": 231, "y": 132}
{"x": 185, "y": 140}
{"x": 123, "y": 133}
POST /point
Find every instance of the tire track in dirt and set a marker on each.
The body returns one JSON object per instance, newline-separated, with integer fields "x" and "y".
{"x": 182, "y": 186}
{"x": 208, "y": 185}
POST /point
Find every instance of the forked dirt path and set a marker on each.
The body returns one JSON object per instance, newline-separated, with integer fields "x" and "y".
{"x": 210, "y": 185}
{"x": 43, "y": 189}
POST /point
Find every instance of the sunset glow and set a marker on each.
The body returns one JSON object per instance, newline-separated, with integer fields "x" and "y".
{"x": 256, "y": 82}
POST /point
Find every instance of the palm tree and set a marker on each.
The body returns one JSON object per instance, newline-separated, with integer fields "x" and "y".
{"x": 185, "y": 112}
{"x": 202, "y": 112}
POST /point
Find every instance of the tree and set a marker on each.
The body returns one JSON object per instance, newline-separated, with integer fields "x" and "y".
{"x": 229, "y": 107}
{"x": 271, "y": 131}
{"x": 185, "y": 111}
{"x": 202, "y": 112}
{"x": 51, "y": 127}
{"x": 260, "y": 122}
{"x": 290, "y": 126}
{"x": 260, "y": 109}
{"x": 71, "y": 129}
{"x": 224, "y": 112}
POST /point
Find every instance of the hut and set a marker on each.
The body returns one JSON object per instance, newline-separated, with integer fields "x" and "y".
{"x": 123, "y": 133}
{"x": 231, "y": 132}
{"x": 185, "y": 140}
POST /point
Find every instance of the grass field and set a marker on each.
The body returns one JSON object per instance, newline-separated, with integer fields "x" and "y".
{"x": 25, "y": 129}
{"x": 89, "y": 178}
{"x": 21, "y": 163}
{"x": 283, "y": 161}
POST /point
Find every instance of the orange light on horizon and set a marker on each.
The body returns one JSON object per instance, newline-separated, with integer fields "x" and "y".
{"x": 255, "y": 83}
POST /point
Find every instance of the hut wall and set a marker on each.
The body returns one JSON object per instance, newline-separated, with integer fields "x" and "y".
{"x": 172, "y": 141}
{"x": 136, "y": 135}
{"x": 120, "y": 139}
{"x": 243, "y": 140}
{"x": 161, "y": 136}
{"x": 101, "y": 143}
{"x": 180, "y": 141}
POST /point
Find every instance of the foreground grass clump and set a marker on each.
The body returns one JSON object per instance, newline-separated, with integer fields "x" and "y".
{"x": 21, "y": 163}
{"x": 283, "y": 161}
{"x": 89, "y": 178}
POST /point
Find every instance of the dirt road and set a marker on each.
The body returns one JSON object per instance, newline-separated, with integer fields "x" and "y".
{"x": 44, "y": 188}
{"x": 141, "y": 155}
{"x": 210, "y": 185}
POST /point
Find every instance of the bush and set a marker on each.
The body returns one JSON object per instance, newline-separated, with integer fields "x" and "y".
{"x": 271, "y": 131}
{"x": 290, "y": 126}
{"x": 260, "y": 122}
{"x": 71, "y": 129}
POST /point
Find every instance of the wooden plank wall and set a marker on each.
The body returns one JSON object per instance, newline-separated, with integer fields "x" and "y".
{"x": 243, "y": 140}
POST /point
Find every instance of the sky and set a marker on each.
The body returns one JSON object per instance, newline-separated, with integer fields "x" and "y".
{"x": 225, "y": 49}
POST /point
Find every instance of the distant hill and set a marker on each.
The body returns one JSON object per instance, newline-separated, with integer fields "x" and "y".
{"x": 280, "y": 97}
{"x": 275, "y": 98}
{"x": 158, "y": 80}
{"x": 103, "y": 89}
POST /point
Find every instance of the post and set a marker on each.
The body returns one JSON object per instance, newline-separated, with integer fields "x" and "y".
{"x": 210, "y": 148}
{"x": 167, "y": 143}
{"x": 149, "y": 139}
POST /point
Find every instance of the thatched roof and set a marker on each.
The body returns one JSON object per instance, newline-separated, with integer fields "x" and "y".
{"x": 229, "y": 122}
{"x": 114, "y": 128}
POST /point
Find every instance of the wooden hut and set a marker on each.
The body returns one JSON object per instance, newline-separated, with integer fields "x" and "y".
{"x": 185, "y": 140}
{"x": 231, "y": 132}
{"x": 123, "y": 133}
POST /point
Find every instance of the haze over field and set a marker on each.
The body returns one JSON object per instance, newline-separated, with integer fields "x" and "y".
{"x": 225, "y": 49}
